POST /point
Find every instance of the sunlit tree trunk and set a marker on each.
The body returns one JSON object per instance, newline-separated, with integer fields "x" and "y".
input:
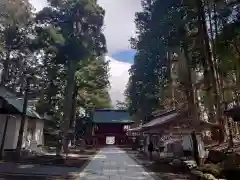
{"x": 190, "y": 89}
{"x": 191, "y": 98}
{"x": 208, "y": 55}
{"x": 210, "y": 66}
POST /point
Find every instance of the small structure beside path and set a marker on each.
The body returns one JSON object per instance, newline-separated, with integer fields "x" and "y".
{"x": 172, "y": 132}
{"x": 11, "y": 109}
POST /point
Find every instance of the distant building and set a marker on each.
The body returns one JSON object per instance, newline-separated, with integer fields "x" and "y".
{"x": 110, "y": 127}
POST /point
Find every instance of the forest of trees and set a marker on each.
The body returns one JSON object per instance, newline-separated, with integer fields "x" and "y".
{"x": 203, "y": 36}
{"x": 62, "y": 49}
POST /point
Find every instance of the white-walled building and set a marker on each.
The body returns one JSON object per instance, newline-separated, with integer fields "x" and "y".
{"x": 33, "y": 131}
{"x": 10, "y": 120}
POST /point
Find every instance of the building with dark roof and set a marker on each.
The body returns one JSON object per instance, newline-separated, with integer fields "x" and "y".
{"x": 11, "y": 110}
{"x": 110, "y": 126}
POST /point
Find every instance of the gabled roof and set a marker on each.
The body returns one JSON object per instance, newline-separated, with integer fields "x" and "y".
{"x": 136, "y": 129}
{"x": 178, "y": 120}
{"x": 158, "y": 114}
{"x": 112, "y": 116}
{"x": 164, "y": 118}
{"x": 18, "y": 103}
{"x": 157, "y": 118}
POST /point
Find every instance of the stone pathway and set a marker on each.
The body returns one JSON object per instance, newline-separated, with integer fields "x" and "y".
{"x": 112, "y": 163}
{"x": 162, "y": 170}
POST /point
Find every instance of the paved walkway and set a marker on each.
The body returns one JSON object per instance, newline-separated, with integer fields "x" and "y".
{"x": 113, "y": 163}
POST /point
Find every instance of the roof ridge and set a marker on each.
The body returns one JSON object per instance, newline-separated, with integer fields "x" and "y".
{"x": 17, "y": 103}
{"x": 109, "y": 109}
{"x": 160, "y": 114}
{"x": 111, "y": 116}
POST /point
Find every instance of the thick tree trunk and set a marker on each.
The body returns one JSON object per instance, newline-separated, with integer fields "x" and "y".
{"x": 210, "y": 65}
{"x": 73, "y": 113}
{"x": 23, "y": 119}
{"x": 208, "y": 55}
{"x": 67, "y": 108}
{"x": 195, "y": 148}
{"x": 213, "y": 37}
{"x": 190, "y": 89}
{"x": 4, "y": 75}
{"x": 192, "y": 102}
{"x": 74, "y": 105}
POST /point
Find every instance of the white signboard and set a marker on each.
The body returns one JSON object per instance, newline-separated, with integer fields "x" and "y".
{"x": 110, "y": 140}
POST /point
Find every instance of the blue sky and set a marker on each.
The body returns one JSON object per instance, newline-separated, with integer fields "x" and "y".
{"x": 125, "y": 56}
{"x": 119, "y": 25}
{"x": 118, "y": 28}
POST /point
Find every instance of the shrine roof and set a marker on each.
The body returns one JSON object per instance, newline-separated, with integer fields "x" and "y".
{"x": 112, "y": 116}
{"x": 162, "y": 119}
{"x": 173, "y": 121}
{"x": 17, "y": 103}
{"x": 158, "y": 114}
{"x": 157, "y": 119}
{"x": 136, "y": 129}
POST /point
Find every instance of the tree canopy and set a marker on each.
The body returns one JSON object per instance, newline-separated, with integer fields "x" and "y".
{"x": 187, "y": 58}
{"x": 61, "y": 46}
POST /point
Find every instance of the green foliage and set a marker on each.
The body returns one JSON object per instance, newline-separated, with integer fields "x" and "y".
{"x": 228, "y": 47}
{"x": 151, "y": 69}
{"x": 16, "y": 34}
{"x": 71, "y": 31}
{"x": 15, "y": 13}
{"x": 202, "y": 39}
{"x": 92, "y": 81}
{"x": 79, "y": 22}
{"x": 122, "y": 105}
{"x": 43, "y": 44}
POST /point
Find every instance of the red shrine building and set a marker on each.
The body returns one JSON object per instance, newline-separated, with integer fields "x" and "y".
{"x": 110, "y": 127}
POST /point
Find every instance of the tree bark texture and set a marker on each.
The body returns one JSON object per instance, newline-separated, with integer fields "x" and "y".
{"x": 67, "y": 107}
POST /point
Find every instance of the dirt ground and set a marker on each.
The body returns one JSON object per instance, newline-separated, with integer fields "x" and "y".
{"x": 161, "y": 169}
{"x": 76, "y": 159}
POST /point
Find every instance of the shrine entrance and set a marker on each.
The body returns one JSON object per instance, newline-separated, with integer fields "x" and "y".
{"x": 110, "y": 140}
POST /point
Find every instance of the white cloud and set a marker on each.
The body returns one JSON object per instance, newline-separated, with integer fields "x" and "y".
{"x": 119, "y": 28}
{"x": 39, "y": 4}
{"x": 119, "y": 76}
{"x": 119, "y": 23}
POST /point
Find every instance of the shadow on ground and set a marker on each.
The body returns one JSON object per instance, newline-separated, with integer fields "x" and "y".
{"x": 160, "y": 168}
{"x": 46, "y": 167}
